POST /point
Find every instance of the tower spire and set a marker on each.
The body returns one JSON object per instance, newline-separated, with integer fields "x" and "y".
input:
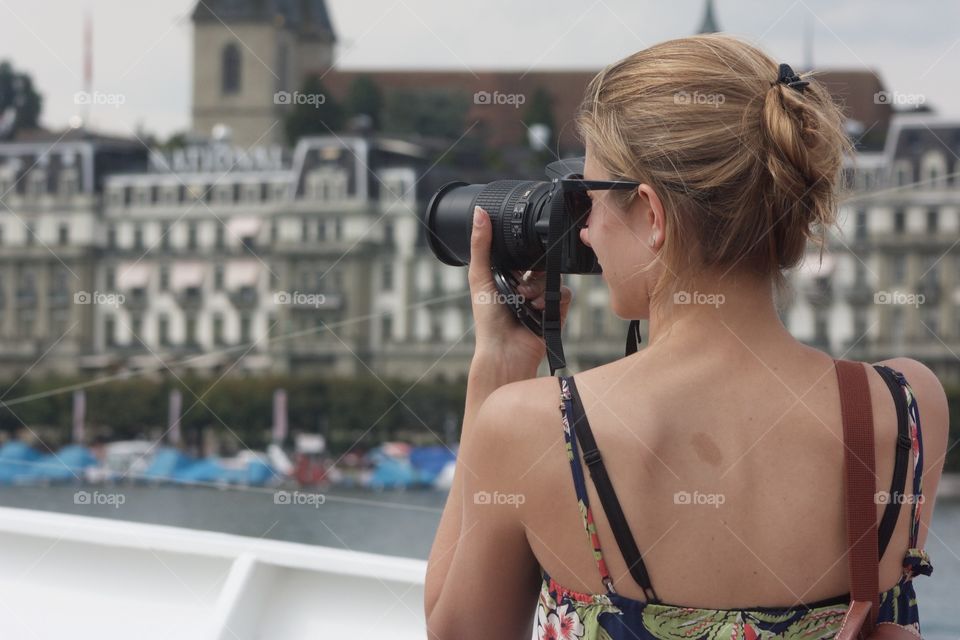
{"x": 709, "y": 24}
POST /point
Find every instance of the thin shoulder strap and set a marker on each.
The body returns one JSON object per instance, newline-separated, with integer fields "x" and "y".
{"x": 917, "y": 562}
{"x": 898, "y": 485}
{"x": 570, "y": 422}
{"x": 608, "y": 499}
{"x": 859, "y": 486}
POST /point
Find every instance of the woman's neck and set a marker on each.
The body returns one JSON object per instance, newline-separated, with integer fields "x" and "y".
{"x": 712, "y": 309}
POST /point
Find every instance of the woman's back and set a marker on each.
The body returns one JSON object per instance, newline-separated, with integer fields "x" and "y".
{"x": 728, "y": 464}
{"x": 723, "y": 437}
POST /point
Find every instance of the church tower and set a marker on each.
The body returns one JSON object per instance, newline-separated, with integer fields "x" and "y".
{"x": 709, "y": 24}
{"x": 245, "y": 52}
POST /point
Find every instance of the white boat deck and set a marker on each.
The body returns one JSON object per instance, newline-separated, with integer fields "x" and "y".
{"x": 68, "y": 576}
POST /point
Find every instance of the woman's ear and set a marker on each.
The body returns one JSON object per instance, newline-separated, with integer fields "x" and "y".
{"x": 651, "y": 212}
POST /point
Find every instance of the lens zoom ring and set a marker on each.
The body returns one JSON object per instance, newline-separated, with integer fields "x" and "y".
{"x": 491, "y": 199}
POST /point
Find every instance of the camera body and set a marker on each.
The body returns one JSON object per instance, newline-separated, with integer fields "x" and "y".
{"x": 536, "y": 226}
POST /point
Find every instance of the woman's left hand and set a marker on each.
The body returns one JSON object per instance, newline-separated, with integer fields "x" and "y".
{"x": 498, "y": 333}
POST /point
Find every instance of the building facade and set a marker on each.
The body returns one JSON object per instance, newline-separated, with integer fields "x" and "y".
{"x": 889, "y": 284}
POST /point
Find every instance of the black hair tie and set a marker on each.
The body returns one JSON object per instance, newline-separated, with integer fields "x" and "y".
{"x": 788, "y": 77}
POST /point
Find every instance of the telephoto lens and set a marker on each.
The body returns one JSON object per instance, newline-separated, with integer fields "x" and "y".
{"x": 517, "y": 212}
{"x": 520, "y": 212}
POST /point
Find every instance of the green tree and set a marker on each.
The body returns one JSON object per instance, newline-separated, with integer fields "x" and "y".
{"x": 365, "y": 97}
{"x": 17, "y": 91}
{"x": 311, "y": 111}
{"x": 427, "y": 112}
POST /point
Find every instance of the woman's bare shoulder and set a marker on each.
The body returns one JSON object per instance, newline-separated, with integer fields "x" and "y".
{"x": 522, "y": 405}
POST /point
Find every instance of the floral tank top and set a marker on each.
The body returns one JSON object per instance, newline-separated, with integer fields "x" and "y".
{"x": 564, "y": 614}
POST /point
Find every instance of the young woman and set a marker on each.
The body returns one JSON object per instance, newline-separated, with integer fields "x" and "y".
{"x": 722, "y": 438}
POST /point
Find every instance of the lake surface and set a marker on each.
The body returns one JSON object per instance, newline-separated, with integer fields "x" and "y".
{"x": 395, "y": 523}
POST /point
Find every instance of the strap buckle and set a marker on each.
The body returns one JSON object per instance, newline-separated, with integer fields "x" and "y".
{"x": 904, "y": 441}
{"x": 591, "y": 457}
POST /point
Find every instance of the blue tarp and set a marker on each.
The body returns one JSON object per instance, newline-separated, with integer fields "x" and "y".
{"x": 430, "y": 461}
{"x": 21, "y": 464}
{"x": 167, "y": 465}
{"x": 172, "y": 466}
{"x": 391, "y": 473}
{"x": 68, "y": 464}
{"x": 17, "y": 461}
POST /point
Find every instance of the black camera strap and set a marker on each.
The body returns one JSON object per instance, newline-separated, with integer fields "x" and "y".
{"x": 551, "y": 293}
{"x": 633, "y": 337}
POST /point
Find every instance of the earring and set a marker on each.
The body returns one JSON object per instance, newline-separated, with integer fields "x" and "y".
{"x": 653, "y": 240}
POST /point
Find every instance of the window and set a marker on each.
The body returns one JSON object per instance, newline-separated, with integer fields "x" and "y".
{"x": 190, "y": 329}
{"x": 932, "y": 220}
{"x": 220, "y": 237}
{"x": 321, "y": 230}
{"x": 859, "y": 323}
{"x": 388, "y": 233}
{"x": 136, "y": 328}
{"x": 218, "y": 277}
{"x": 899, "y": 221}
{"x": 274, "y": 231}
{"x": 899, "y": 268}
{"x": 192, "y": 235}
{"x": 245, "y": 325}
{"x": 63, "y": 234}
{"x": 165, "y": 236}
{"x": 218, "y": 329}
{"x": 386, "y": 327}
{"x": 598, "y": 320}
{"x": 137, "y": 237}
{"x": 164, "y": 278}
{"x": 931, "y": 318}
{"x": 897, "y": 326}
{"x": 304, "y": 230}
{"x": 163, "y": 330}
{"x": 112, "y": 237}
{"x": 386, "y": 276}
{"x": 931, "y": 272}
{"x": 31, "y": 238}
{"x": 110, "y": 278}
{"x": 110, "y": 331}
{"x": 338, "y": 229}
{"x": 860, "y": 229}
{"x": 231, "y": 69}
{"x": 68, "y": 183}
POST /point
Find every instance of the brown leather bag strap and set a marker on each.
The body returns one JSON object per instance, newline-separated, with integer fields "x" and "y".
{"x": 860, "y": 486}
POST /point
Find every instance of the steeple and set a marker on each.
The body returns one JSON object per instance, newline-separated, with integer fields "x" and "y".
{"x": 709, "y": 24}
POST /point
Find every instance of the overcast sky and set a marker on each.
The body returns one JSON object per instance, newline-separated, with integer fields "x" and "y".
{"x": 142, "y": 48}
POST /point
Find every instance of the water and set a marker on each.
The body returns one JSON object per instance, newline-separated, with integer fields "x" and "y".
{"x": 401, "y": 523}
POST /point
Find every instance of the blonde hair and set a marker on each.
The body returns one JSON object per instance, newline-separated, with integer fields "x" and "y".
{"x": 748, "y": 169}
